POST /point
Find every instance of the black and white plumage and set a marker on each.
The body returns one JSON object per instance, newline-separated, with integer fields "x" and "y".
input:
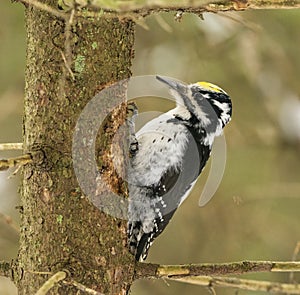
{"x": 170, "y": 153}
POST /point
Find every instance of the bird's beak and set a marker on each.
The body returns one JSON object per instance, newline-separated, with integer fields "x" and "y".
{"x": 173, "y": 84}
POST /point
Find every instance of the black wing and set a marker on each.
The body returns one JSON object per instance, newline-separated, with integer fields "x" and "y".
{"x": 170, "y": 192}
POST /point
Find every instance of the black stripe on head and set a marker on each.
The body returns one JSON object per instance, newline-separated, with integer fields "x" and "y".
{"x": 216, "y": 104}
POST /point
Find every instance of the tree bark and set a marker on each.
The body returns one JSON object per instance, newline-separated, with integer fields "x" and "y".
{"x": 60, "y": 228}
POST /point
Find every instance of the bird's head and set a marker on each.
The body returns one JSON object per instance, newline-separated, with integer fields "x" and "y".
{"x": 210, "y": 104}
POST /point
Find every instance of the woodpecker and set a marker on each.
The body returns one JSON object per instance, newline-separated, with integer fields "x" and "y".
{"x": 168, "y": 156}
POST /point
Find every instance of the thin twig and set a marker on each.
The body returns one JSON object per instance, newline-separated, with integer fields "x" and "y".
{"x": 51, "y": 282}
{"x": 45, "y": 7}
{"x": 296, "y": 251}
{"x": 212, "y": 291}
{"x": 11, "y": 146}
{"x": 243, "y": 284}
{"x": 67, "y": 57}
{"x": 163, "y": 24}
{"x": 153, "y": 270}
{"x": 59, "y": 277}
{"x": 5, "y": 164}
{"x": 8, "y": 220}
{"x": 66, "y": 64}
{"x": 240, "y": 20}
{"x": 18, "y": 167}
{"x": 226, "y": 268}
{"x": 83, "y": 288}
{"x": 294, "y": 258}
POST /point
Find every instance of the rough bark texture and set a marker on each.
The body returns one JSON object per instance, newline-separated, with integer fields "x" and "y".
{"x": 60, "y": 228}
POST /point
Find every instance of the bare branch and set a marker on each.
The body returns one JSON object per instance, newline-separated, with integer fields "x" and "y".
{"x": 51, "y": 282}
{"x": 5, "y": 164}
{"x": 36, "y": 157}
{"x": 44, "y": 7}
{"x": 177, "y": 271}
{"x": 5, "y": 269}
{"x": 208, "y": 275}
{"x": 135, "y": 8}
{"x": 243, "y": 284}
{"x": 11, "y": 146}
{"x": 141, "y": 7}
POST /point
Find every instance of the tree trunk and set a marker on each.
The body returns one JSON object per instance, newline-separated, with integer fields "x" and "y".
{"x": 60, "y": 228}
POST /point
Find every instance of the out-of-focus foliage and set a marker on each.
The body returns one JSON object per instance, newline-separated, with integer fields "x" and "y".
{"x": 254, "y": 56}
{"x": 12, "y": 62}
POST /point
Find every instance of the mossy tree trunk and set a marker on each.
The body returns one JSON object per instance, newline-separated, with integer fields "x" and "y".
{"x": 60, "y": 228}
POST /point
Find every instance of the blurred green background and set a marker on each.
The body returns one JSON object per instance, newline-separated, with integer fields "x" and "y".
{"x": 254, "y": 56}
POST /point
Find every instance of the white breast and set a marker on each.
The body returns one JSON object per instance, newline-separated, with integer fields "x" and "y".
{"x": 161, "y": 146}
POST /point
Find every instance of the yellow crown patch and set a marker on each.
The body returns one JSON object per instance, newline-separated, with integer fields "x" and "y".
{"x": 210, "y": 86}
